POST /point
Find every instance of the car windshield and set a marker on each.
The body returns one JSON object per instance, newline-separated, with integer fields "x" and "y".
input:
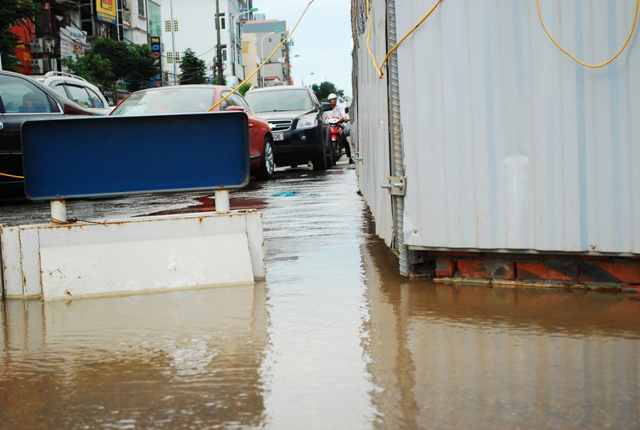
{"x": 170, "y": 100}
{"x": 279, "y": 101}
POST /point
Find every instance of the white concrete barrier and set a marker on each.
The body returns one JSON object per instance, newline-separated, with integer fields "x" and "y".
{"x": 135, "y": 255}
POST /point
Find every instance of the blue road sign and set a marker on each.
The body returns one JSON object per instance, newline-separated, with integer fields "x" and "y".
{"x": 109, "y": 156}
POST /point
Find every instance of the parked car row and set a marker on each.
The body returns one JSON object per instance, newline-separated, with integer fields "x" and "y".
{"x": 285, "y": 123}
{"x": 23, "y": 98}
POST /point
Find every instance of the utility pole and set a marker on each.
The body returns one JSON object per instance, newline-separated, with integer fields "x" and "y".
{"x": 287, "y": 64}
{"x": 217, "y": 64}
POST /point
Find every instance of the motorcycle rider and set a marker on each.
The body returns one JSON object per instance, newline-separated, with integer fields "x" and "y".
{"x": 338, "y": 112}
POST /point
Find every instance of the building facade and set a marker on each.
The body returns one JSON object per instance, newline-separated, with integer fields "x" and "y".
{"x": 184, "y": 28}
{"x": 250, "y": 58}
{"x": 133, "y": 22}
{"x": 65, "y": 28}
{"x": 269, "y": 34}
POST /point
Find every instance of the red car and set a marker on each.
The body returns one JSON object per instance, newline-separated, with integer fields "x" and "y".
{"x": 199, "y": 98}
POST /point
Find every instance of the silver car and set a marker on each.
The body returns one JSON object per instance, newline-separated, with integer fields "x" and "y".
{"x": 77, "y": 89}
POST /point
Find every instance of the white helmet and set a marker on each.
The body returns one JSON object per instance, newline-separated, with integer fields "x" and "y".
{"x": 332, "y": 96}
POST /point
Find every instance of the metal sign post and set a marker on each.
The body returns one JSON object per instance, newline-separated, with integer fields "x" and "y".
{"x": 58, "y": 211}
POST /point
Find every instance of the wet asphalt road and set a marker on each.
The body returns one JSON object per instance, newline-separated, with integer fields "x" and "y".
{"x": 333, "y": 339}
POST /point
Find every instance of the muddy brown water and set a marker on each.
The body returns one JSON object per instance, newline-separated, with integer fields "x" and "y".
{"x": 333, "y": 339}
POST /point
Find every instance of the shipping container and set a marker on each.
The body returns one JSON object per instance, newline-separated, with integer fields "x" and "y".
{"x": 505, "y": 143}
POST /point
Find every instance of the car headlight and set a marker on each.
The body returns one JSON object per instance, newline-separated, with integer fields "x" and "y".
{"x": 308, "y": 122}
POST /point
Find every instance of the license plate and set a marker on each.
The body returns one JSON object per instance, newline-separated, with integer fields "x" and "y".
{"x": 278, "y": 136}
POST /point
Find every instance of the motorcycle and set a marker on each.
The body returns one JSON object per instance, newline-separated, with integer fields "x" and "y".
{"x": 336, "y": 134}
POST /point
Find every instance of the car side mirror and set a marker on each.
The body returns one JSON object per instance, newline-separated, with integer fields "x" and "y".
{"x": 346, "y": 110}
{"x": 235, "y": 109}
{"x": 325, "y": 106}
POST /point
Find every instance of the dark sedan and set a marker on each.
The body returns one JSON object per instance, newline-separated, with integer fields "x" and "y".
{"x": 21, "y": 99}
{"x": 295, "y": 118}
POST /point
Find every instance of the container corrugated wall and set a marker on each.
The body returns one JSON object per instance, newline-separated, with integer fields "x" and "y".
{"x": 509, "y": 144}
{"x": 372, "y": 113}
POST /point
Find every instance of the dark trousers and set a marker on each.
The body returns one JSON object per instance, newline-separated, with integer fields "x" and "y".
{"x": 347, "y": 147}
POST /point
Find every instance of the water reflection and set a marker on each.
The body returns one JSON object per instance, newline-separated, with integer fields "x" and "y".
{"x": 472, "y": 357}
{"x": 184, "y": 358}
{"x": 314, "y": 369}
{"x": 334, "y": 338}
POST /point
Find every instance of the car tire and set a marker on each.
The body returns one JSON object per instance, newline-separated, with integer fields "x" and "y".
{"x": 320, "y": 161}
{"x": 267, "y": 165}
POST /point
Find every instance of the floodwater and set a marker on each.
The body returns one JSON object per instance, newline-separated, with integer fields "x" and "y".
{"x": 333, "y": 339}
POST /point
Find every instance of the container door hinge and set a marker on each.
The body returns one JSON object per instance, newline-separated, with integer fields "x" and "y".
{"x": 396, "y": 185}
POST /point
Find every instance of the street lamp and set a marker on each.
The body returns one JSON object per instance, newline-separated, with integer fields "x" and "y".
{"x": 173, "y": 45}
{"x": 236, "y": 29}
{"x": 262, "y": 49}
{"x": 305, "y": 77}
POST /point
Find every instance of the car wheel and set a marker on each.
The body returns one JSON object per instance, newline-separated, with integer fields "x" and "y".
{"x": 320, "y": 161}
{"x": 267, "y": 165}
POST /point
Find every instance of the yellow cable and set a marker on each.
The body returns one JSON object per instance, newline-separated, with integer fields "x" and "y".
{"x": 386, "y": 58}
{"x": 593, "y": 66}
{"x": 373, "y": 57}
{"x": 409, "y": 34}
{"x": 11, "y": 176}
{"x": 265, "y": 61}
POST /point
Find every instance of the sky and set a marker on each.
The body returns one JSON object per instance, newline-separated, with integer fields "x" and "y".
{"x": 322, "y": 40}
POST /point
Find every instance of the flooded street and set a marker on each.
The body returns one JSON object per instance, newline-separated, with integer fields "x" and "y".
{"x": 334, "y": 338}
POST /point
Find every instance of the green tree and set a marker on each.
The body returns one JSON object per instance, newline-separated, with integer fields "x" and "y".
{"x": 13, "y": 12}
{"x": 324, "y": 89}
{"x": 193, "y": 69}
{"x": 141, "y": 68}
{"x": 95, "y": 69}
{"x": 110, "y": 61}
{"x": 244, "y": 88}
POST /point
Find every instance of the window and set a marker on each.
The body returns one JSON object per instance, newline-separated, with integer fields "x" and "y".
{"x": 176, "y": 100}
{"x": 241, "y": 102}
{"x": 167, "y": 25}
{"x": 169, "y": 57}
{"x": 233, "y": 100}
{"x": 59, "y": 88}
{"x": 96, "y": 101}
{"x": 80, "y": 96}
{"x": 223, "y": 24}
{"x": 274, "y": 101}
{"x": 224, "y": 52}
{"x": 20, "y": 96}
{"x": 141, "y": 10}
